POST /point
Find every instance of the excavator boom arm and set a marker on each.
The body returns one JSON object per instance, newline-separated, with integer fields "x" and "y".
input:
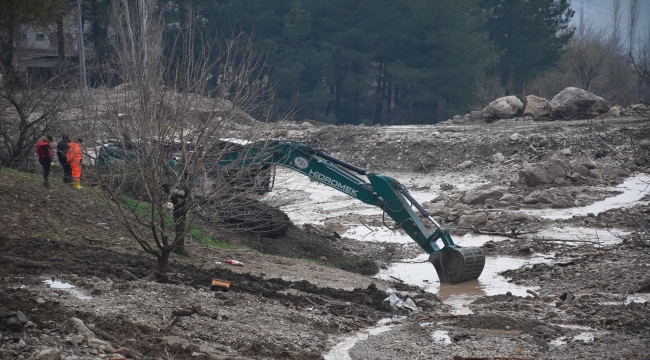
{"x": 453, "y": 263}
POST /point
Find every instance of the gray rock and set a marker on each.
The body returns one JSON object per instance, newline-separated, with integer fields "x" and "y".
{"x": 503, "y": 108}
{"x": 465, "y": 164}
{"x": 77, "y": 326}
{"x": 473, "y": 220}
{"x": 127, "y": 275}
{"x": 576, "y": 176}
{"x": 509, "y": 198}
{"x": 12, "y": 322}
{"x": 476, "y": 115}
{"x": 21, "y": 317}
{"x": 538, "y": 196}
{"x": 479, "y": 196}
{"x": 638, "y": 107}
{"x": 594, "y": 174}
{"x": 582, "y": 170}
{"x": 536, "y": 107}
{"x": 98, "y": 343}
{"x": 516, "y": 137}
{"x": 441, "y": 197}
{"x": 563, "y": 164}
{"x": 498, "y": 157}
{"x": 556, "y": 200}
{"x": 542, "y": 174}
{"x": 560, "y": 182}
{"x": 446, "y": 186}
{"x": 572, "y": 101}
{"x": 49, "y": 354}
{"x": 616, "y": 111}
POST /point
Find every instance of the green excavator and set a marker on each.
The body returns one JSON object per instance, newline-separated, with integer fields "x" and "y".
{"x": 454, "y": 264}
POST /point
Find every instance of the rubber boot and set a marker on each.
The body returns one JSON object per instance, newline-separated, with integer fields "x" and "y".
{"x": 46, "y": 182}
{"x": 75, "y": 184}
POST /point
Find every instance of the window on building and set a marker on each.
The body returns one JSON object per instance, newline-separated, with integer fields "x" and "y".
{"x": 40, "y": 37}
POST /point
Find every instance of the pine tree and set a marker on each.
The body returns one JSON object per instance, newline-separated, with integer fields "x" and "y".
{"x": 529, "y": 33}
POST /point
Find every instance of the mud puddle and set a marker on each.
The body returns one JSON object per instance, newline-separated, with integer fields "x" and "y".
{"x": 588, "y": 335}
{"x": 341, "y": 350}
{"x": 633, "y": 190}
{"x": 420, "y": 272}
{"x": 58, "y": 285}
{"x": 629, "y": 299}
{"x": 441, "y": 336}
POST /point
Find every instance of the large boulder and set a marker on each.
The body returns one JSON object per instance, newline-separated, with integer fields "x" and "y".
{"x": 543, "y": 173}
{"x": 572, "y": 101}
{"x": 503, "y": 108}
{"x": 536, "y": 107}
{"x": 479, "y": 196}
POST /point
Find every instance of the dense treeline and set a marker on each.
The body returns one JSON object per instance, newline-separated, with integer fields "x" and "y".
{"x": 389, "y": 62}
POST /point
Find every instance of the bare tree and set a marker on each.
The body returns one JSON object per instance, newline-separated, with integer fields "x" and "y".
{"x": 175, "y": 122}
{"x": 587, "y": 55}
{"x": 31, "y": 102}
{"x": 29, "y": 109}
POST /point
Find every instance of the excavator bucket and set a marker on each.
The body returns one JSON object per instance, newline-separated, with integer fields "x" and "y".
{"x": 456, "y": 265}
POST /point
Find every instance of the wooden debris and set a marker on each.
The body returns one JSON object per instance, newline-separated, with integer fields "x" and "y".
{"x": 218, "y": 284}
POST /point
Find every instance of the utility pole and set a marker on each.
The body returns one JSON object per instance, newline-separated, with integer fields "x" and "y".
{"x": 82, "y": 57}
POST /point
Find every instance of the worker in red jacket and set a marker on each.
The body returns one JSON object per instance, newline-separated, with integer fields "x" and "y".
{"x": 74, "y": 159}
{"x": 44, "y": 152}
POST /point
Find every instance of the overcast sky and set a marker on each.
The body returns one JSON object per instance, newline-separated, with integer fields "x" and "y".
{"x": 599, "y": 13}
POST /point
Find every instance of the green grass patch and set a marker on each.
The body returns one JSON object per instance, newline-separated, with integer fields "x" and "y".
{"x": 198, "y": 235}
{"x": 140, "y": 208}
{"x": 17, "y": 174}
{"x": 49, "y": 235}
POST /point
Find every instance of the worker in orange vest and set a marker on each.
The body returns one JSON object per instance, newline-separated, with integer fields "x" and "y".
{"x": 44, "y": 152}
{"x": 74, "y": 159}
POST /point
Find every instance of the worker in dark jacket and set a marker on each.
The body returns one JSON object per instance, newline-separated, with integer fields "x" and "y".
{"x": 61, "y": 152}
{"x": 74, "y": 159}
{"x": 44, "y": 152}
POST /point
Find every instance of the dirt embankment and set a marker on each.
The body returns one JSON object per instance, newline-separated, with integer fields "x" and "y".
{"x": 61, "y": 234}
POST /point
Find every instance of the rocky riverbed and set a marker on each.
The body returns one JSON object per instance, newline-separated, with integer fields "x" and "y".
{"x": 74, "y": 286}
